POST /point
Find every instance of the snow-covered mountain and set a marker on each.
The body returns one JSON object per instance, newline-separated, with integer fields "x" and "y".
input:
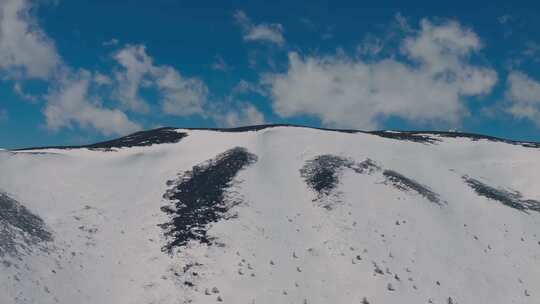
{"x": 272, "y": 214}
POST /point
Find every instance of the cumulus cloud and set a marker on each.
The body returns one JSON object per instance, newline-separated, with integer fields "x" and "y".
{"x": 523, "y": 93}
{"x": 430, "y": 83}
{"x": 71, "y": 103}
{"x": 180, "y": 95}
{"x": 25, "y": 50}
{"x": 522, "y": 88}
{"x": 245, "y": 115}
{"x": 136, "y": 66}
{"x": 77, "y": 97}
{"x": 265, "y": 32}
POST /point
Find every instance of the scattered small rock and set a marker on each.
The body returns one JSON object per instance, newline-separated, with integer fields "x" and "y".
{"x": 377, "y": 269}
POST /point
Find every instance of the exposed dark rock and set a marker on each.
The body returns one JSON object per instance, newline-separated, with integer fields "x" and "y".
{"x": 20, "y": 229}
{"x": 430, "y": 137}
{"x": 143, "y": 138}
{"x": 322, "y": 173}
{"x": 404, "y": 183}
{"x": 476, "y": 137}
{"x": 510, "y": 198}
{"x": 268, "y": 126}
{"x": 138, "y": 139}
{"x": 198, "y": 197}
{"x": 408, "y": 136}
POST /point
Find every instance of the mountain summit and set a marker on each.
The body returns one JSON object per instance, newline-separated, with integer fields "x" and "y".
{"x": 272, "y": 214}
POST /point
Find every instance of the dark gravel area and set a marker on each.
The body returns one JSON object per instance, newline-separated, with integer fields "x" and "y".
{"x": 404, "y": 183}
{"x": 512, "y": 199}
{"x": 18, "y": 224}
{"x": 322, "y": 173}
{"x": 407, "y": 136}
{"x": 198, "y": 197}
{"x": 138, "y": 139}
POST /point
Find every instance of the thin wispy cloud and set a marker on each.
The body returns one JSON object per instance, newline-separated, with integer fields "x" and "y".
{"x": 263, "y": 32}
{"x": 219, "y": 64}
{"x": 504, "y": 19}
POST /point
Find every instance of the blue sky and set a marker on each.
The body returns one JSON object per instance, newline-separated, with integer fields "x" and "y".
{"x": 80, "y": 71}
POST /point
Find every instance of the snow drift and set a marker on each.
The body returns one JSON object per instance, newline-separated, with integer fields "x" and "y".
{"x": 272, "y": 214}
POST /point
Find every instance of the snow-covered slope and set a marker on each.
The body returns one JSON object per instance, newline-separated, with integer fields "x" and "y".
{"x": 272, "y": 215}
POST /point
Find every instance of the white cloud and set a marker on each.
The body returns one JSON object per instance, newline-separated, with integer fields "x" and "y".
{"x": 71, "y": 103}
{"x": 18, "y": 89}
{"x": 522, "y": 89}
{"x": 246, "y": 87}
{"x": 245, "y": 115}
{"x": 76, "y": 97}
{"x": 136, "y": 65}
{"x": 266, "y": 32}
{"x": 101, "y": 79}
{"x": 25, "y": 50}
{"x": 429, "y": 85}
{"x": 523, "y": 93}
{"x": 180, "y": 96}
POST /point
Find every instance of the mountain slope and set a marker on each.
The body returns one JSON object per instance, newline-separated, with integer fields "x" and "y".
{"x": 272, "y": 214}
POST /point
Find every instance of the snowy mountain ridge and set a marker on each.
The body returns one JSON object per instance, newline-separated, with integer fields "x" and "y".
{"x": 272, "y": 214}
